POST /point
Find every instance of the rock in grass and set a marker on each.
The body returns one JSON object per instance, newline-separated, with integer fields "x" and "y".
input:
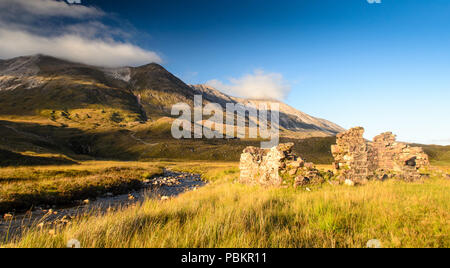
{"x": 164, "y": 198}
{"x": 301, "y": 181}
{"x": 383, "y": 177}
{"x": 349, "y": 182}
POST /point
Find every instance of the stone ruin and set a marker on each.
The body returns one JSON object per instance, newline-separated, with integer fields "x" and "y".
{"x": 276, "y": 167}
{"x": 358, "y": 160}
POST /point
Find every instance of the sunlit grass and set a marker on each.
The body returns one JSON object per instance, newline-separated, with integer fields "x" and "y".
{"x": 228, "y": 214}
{"x": 26, "y": 187}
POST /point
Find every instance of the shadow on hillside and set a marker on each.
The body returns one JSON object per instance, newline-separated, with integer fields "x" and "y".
{"x": 8, "y": 158}
{"x": 24, "y": 137}
{"x": 77, "y": 144}
{"x": 125, "y": 145}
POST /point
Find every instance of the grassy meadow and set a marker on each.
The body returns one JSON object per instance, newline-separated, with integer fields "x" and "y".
{"x": 227, "y": 214}
{"x": 43, "y": 163}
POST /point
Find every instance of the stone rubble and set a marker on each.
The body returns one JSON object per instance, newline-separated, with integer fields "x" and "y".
{"x": 275, "y": 167}
{"x": 359, "y": 160}
{"x": 356, "y": 162}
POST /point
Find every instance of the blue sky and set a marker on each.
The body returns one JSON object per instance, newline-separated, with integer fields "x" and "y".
{"x": 382, "y": 66}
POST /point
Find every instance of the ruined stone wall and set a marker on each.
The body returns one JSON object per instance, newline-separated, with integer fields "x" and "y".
{"x": 353, "y": 155}
{"x": 393, "y": 155}
{"x": 265, "y": 166}
{"x": 358, "y": 160}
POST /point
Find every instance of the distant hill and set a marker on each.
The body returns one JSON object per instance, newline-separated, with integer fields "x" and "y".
{"x": 292, "y": 121}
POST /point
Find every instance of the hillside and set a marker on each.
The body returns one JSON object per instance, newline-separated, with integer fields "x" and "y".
{"x": 292, "y": 121}
{"x": 57, "y": 108}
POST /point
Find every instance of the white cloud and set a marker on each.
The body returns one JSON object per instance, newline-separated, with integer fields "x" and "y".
{"x": 76, "y": 48}
{"x": 259, "y": 85}
{"x": 49, "y": 8}
{"x": 33, "y": 27}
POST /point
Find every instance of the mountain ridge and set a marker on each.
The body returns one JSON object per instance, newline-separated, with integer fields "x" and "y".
{"x": 293, "y": 119}
{"x": 43, "y": 84}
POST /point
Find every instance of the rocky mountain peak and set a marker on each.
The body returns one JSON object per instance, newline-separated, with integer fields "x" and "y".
{"x": 149, "y": 89}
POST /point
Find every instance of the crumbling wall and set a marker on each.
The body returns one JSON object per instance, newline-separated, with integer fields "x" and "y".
{"x": 272, "y": 167}
{"x": 353, "y": 155}
{"x": 396, "y": 156}
{"x": 358, "y": 160}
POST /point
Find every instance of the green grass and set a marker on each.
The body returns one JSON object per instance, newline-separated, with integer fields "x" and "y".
{"x": 439, "y": 155}
{"x": 84, "y": 139}
{"x": 228, "y": 214}
{"x": 8, "y": 158}
{"x": 88, "y": 136}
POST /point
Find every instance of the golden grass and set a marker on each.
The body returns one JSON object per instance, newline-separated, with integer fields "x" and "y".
{"x": 26, "y": 187}
{"x": 227, "y": 214}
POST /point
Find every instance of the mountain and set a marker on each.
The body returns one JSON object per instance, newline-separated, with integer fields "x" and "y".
{"x": 49, "y": 87}
{"x": 38, "y": 85}
{"x": 50, "y": 105}
{"x": 291, "y": 119}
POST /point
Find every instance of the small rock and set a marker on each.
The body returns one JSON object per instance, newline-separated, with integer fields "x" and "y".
{"x": 7, "y": 217}
{"x": 131, "y": 197}
{"x": 307, "y": 189}
{"x": 309, "y": 165}
{"x": 333, "y": 182}
{"x": 349, "y": 182}
{"x": 87, "y": 201}
{"x": 164, "y": 198}
{"x": 301, "y": 181}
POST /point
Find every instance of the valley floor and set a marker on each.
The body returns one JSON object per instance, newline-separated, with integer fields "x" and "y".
{"x": 227, "y": 214}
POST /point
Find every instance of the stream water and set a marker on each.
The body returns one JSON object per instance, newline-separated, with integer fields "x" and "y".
{"x": 167, "y": 186}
